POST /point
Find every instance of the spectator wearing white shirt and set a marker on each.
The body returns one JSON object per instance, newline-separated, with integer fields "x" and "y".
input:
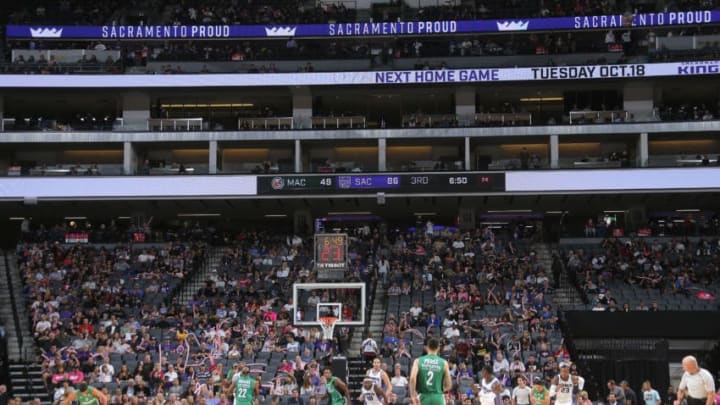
{"x": 399, "y": 380}
{"x": 43, "y": 325}
{"x": 610, "y": 37}
{"x": 451, "y": 332}
{"x": 415, "y": 312}
{"x": 369, "y": 348}
{"x": 292, "y": 344}
{"x": 110, "y": 368}
{"x": 500, "y": 364}
{"x": 447, "y": 322}
{"x": 104, "y": 375}
{"x": 283, "y": 272}
{"x": 171, "y": 375}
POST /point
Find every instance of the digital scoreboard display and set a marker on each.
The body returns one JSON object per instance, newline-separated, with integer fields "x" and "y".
{"x": 465, "y": 182}
{"x": 331, "y": 251}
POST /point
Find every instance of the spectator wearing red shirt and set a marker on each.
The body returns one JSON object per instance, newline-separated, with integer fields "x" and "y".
{"x": 86, "y": 328}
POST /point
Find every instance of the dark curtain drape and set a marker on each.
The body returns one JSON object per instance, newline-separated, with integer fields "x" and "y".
{"x": 634, "y": 371}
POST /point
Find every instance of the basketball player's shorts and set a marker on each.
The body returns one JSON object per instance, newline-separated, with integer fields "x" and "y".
{"x": 432, "y": 399}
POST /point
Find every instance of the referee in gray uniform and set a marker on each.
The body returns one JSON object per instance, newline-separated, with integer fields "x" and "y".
{"x": 697, "y": 385}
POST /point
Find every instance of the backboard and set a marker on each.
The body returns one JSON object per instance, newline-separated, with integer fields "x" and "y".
{"x": 343, "y": 300}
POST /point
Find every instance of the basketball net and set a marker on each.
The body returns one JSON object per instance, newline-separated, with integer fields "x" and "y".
{"x": 327, "y": 323}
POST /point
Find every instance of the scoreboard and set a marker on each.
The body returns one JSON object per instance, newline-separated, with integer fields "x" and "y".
{"x": 459, "y": 182}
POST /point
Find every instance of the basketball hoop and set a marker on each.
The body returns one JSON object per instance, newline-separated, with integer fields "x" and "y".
{"x": 327, "y": 323}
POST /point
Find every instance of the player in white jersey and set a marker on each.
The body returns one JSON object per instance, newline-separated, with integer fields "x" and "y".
{"x": 379, "y": 377}
{"x": 562, "y": 387}
{"x": 370, "y": 393}
{"x": 489, "y": 388}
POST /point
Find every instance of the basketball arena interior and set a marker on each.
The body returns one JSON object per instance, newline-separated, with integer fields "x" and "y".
{"x": 199, "y": 192}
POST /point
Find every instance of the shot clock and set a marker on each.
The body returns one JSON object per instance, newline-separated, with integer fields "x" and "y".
{"x": 331, "y": 251}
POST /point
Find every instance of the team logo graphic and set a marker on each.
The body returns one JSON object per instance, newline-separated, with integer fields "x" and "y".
{"x": 277, "y": 183}
{"x": 344, "y": 182}
{"x": 512, "y": 25}
{"x": 280, "y": 31}
{"x": 46, "y": 32}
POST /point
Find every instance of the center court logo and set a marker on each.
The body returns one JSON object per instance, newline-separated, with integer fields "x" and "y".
{"x": 46, "y": 32}
{"x": 277, "y": 183}
{"x": 512, "y": 25}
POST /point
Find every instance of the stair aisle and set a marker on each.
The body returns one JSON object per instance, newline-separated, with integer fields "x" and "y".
{"x": 565, "y": 295}
{"x": 17, "y": 350}
{"x": 356, "y": 367}
{"x": 27, "y": 384}
{"x": 375, "y": 323}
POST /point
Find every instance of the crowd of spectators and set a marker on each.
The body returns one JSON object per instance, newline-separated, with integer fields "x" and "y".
{"x": 101, "y": 314}
{"x": 675, "y": 267}
{"x": 44, "y": 66}
{"x": 193, "y": 12}
{"x": 84, "y": 121}
{"x": 525, "y": 8}
{"x": 687, "y": 111}
{"x": 156, "y": 12}
{"x": 487, "y": 298}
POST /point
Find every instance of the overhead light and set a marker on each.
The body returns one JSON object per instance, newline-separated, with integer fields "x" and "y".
{"x": 123, "y": 217}
{"x": 75, "y": 218}
{"x": 349, "y": 213}
{"x": 615, "y": 211}
{"x": 678, "y": 221}
{"x": 556, "y": 212}
{"x": 275, "y": 215}
{"x": 16, "y": 218}
{"x": 199, "y": 215}
{"x": 540, "y": 99}
{"x": 424, "y": 214}
{"x": 503, "y": 211}
{"x": 688, "y": 210}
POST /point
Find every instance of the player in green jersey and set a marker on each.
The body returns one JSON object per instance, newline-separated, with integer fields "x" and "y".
{"x": 245, "y": 388}
{"x": 337, "y": 391}
{"x": 539, "y": 395}
{"x": 86, "y": 395}
{"x": 429, "y": 377}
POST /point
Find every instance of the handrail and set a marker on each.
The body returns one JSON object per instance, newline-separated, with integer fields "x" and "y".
{"x": 596, "y": 115}
{"x": 16, "y": 318}
{"x": 3, "y": 121}
{"x": 266, "y": 122}
{"x": 179, "y": 294}
{"x": 324, "y": 122}
{"x": 172, "y": 123}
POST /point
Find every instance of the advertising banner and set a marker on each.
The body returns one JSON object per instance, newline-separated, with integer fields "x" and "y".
{"x": 364, "y": 29}
{"x": 458, "y": 76}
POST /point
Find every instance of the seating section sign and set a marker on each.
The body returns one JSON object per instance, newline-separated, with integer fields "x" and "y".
{"x": 365, "y": 29}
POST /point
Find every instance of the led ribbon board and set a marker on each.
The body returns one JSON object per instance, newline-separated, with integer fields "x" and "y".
{"x": 364, "y": 29}
{"x": 459, "y": 76}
